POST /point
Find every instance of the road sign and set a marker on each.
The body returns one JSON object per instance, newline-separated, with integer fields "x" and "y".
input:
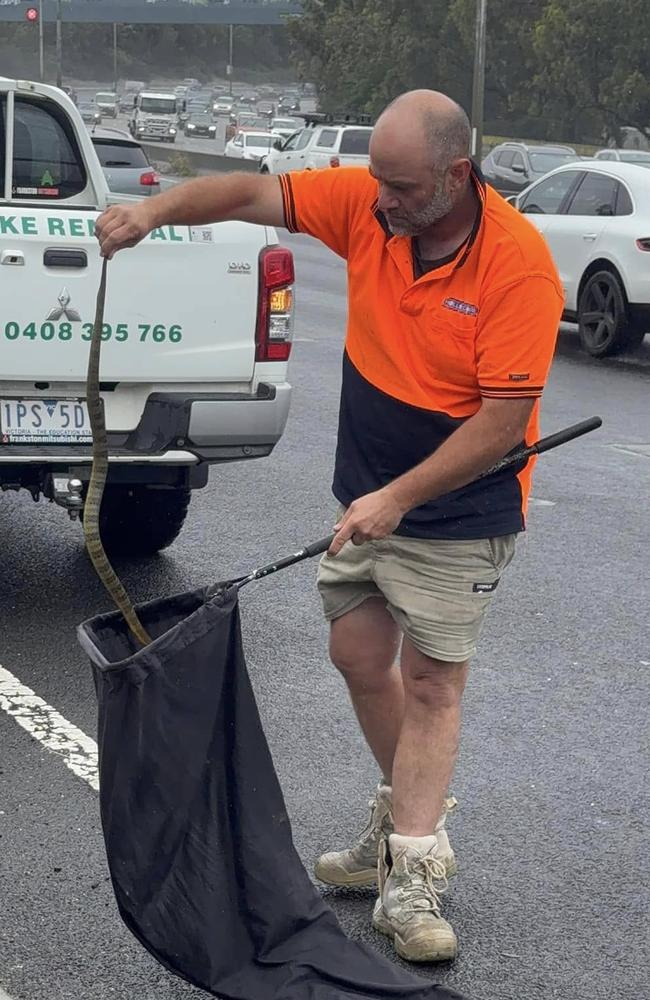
{"x": 31, "y": 14}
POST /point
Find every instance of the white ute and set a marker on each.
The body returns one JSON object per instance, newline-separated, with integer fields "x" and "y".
{"x": 197, "y": 335}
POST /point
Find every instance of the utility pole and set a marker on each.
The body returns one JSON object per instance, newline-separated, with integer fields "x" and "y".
{"x": 478, "y": 89}
{"x": 229, "y": 69}
{"x": 115, "y": 57}
{"x": 41, "y": 57}
{"x": 59, "y": 69}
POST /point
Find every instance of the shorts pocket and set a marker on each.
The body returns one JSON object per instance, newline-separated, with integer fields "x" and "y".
{"x": 502, "y": 550}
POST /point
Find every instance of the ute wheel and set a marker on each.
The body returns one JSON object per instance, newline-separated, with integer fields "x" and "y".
{"x": 604, "y": 321}
{"x": 141, "y": 520}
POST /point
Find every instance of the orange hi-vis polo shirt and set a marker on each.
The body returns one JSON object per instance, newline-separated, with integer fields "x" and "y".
{"x": 422, "y": 353}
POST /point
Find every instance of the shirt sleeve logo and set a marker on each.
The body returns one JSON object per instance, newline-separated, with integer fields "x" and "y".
{"x": 466, "y": 308}
{"x": 519, "y": 377}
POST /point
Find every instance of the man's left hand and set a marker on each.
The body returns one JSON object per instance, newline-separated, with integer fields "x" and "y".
{"x": 374, "y": 516}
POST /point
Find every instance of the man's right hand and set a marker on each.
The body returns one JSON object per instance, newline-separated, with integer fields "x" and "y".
{"x": 122, "y": 226}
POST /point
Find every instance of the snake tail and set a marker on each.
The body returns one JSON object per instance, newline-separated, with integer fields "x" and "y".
{"x": 98, "y": 476}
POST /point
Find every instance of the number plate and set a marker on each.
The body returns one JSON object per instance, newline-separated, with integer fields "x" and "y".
{"x": 44, "y": 421}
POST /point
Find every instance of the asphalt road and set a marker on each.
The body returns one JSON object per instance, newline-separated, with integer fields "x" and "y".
{"x": 551, "y": 833}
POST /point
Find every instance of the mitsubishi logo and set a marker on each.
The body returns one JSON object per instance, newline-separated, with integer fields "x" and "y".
{"x": 64, "y": 308}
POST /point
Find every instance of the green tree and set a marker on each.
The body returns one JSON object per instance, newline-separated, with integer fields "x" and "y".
{"x": 593, "y": 72}
{"x": 362, "y": 53}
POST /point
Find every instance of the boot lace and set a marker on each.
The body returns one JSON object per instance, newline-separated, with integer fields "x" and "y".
{"x": 371, "y": 831}
{"x": 428, "y": 881}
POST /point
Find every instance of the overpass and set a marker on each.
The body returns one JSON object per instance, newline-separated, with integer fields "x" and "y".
{"x": 157, "y": 11}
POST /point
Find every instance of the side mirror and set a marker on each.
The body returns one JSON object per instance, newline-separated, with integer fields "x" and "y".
{"x": 135, "y": 102}
{"x": 278, "y": 144}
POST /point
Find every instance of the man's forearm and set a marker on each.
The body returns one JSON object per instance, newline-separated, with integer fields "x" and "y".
{"x": 466, "y": 454}
{"x": 201, "y": 201}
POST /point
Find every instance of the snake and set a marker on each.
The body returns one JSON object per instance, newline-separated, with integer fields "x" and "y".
{"x": 99, "y": 474}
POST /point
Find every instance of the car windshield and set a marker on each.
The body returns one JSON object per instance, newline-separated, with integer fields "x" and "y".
{"x": 260, "y": 141}
{"x": 202, "y": 117}
{"x": 541, "y": 162}
{"x": 287, "y": 123}
{"x": 106, "y": 98}
{"x": 158, "y": 105}
{"x": 635, "y": 156}
{"x": 120, "y": 154}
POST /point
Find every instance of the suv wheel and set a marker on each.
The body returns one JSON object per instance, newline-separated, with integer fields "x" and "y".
{"x": 141, "y": 520}
{"x": 603, "y": 317}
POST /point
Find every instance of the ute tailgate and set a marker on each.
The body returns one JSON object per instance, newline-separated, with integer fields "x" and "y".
{"x": 180, "y": 307}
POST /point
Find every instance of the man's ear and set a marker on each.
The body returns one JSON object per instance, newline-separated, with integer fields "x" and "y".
{"x": 459, "y": 172}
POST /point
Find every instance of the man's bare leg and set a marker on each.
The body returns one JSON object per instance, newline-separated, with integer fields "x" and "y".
{"x": 364, "y": 646}
{"x": 428, "y": 741}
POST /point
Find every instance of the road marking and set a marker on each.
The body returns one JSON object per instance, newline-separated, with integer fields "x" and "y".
{"x": 636, "y": 450}
{"x": 77, "y": 751}
{"x": 535, "y": 502}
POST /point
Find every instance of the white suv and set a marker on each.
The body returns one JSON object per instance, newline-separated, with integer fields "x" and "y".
{"x": 595, "y": 217}
{"x": 321, "y": 144}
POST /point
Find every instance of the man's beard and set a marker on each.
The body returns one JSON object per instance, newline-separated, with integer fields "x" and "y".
{"x": 416, "y": 222}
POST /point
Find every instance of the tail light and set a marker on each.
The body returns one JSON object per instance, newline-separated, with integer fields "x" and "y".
{"x": 643, "y": 243}
{"x": 334, "y": 161}
{"x": 275, "y": 305}
{"x": 150, "y": 179}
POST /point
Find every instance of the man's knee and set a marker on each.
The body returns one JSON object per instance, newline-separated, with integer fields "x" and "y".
{"x": 364, "y": 643}
{"x": 436, "y": 683}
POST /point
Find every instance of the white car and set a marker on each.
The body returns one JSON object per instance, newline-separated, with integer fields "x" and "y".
{"x": 284, "y": 128}
{"x": 250, "y": 145}
{"x": 640, "y": 156}
{"x": 316, "y": 146}
{"x": 595, "y": 216}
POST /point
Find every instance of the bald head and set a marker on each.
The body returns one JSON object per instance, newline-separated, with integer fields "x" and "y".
{"x": 419, "y": 155}
{"x": 425, "y": 124}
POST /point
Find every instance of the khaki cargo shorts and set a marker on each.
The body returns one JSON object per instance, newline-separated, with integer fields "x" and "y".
{"x": 438, "y": 591}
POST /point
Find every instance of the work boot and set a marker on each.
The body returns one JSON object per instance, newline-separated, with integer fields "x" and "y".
{"x": 412, "y": 877}
{"x": 358, "y": 865}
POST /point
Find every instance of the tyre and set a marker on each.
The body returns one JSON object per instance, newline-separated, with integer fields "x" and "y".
{"x": 604, "y": 322}
{"x": 264, "y": 170}
{"x": 141, "y": 520}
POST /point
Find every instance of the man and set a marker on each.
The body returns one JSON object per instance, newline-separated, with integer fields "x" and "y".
{"x": 454, "y": 305}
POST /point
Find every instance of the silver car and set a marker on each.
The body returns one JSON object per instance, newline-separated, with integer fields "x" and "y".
{"x": 124, "y": 162}
{"x": 90, "y": 113}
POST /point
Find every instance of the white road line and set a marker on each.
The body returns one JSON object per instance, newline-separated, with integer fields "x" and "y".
{"x": 77, "y": 751}
{"x": 3, "y": 995}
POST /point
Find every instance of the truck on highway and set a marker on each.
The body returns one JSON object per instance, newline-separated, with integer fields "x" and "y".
{"x": 155, "y": 116}
{"x": 108, "y": 104}
{"x": 197, "y": 336}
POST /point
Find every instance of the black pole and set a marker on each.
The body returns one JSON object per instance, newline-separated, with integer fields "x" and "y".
{"x": 478, "y": 89}
{"x": 115, "y": 58}
{"x": 59, "y": 47}
{"x": 230, "y": 52}
{"x": 41, "y": 59}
